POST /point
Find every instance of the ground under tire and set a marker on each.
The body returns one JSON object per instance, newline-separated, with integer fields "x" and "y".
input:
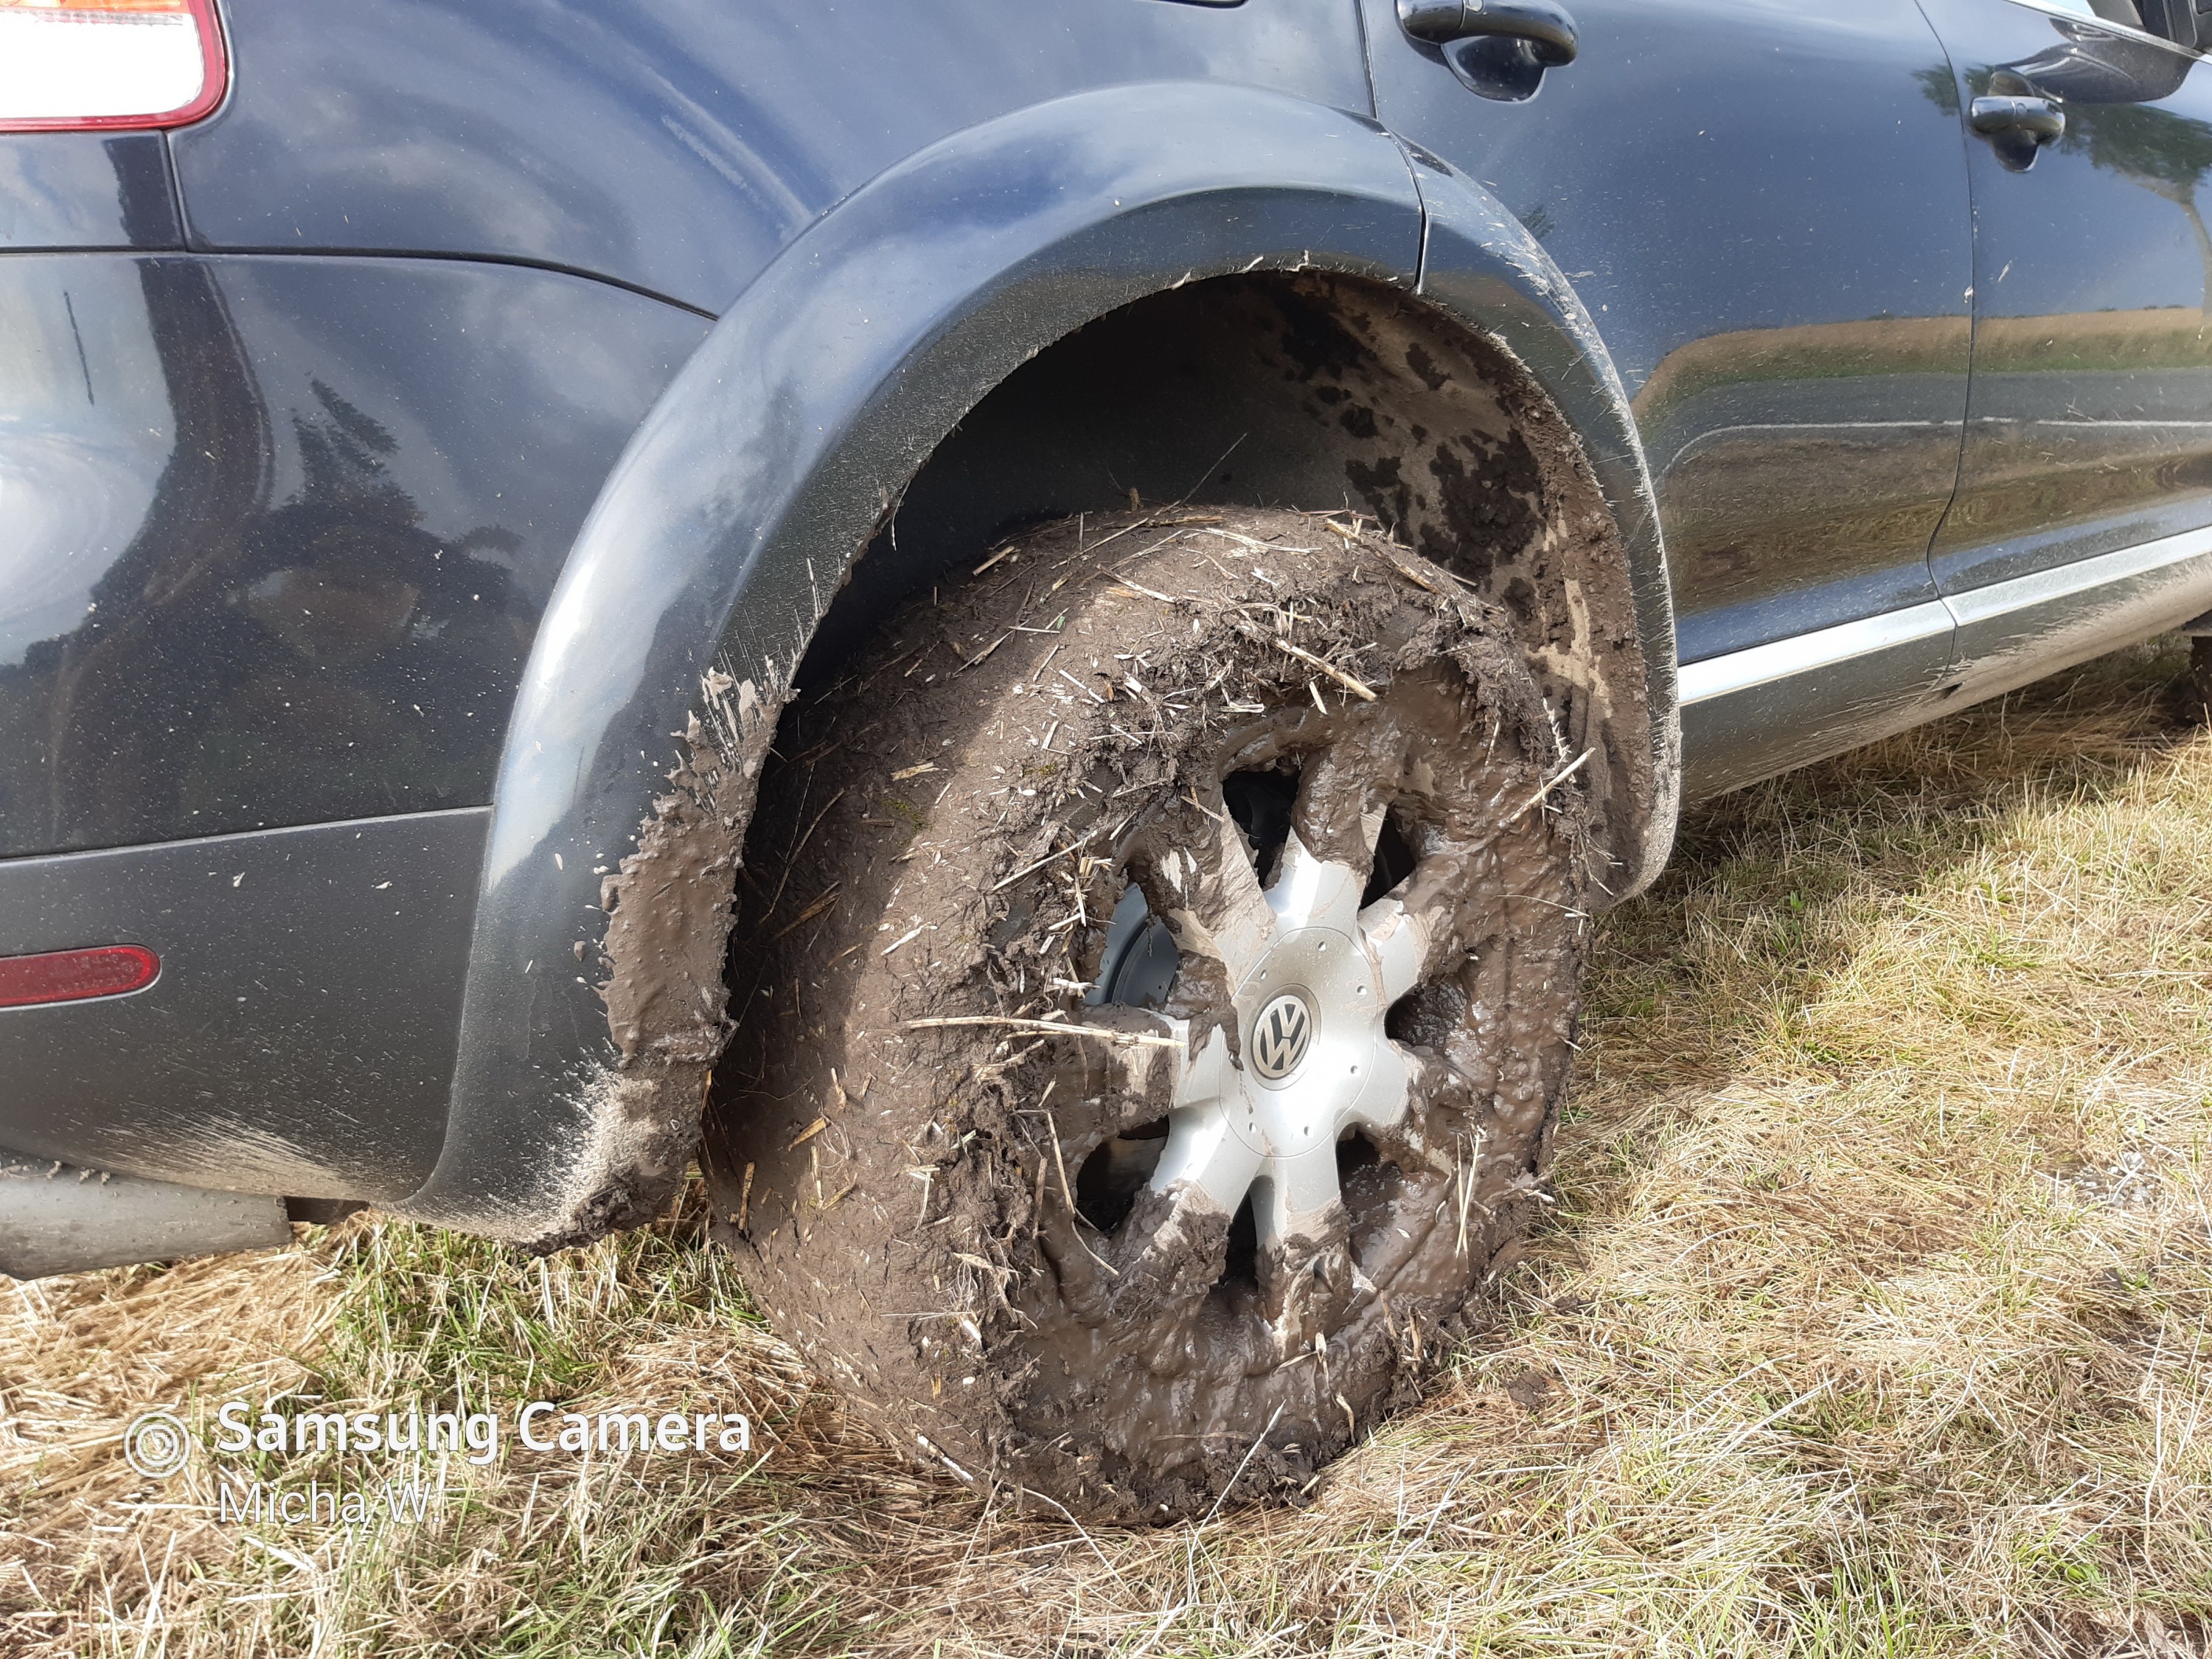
{"x": 1184, "y": 1253}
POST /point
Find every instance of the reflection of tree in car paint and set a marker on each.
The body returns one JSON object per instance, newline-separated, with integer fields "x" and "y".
{"x": 2167, "y": 153}
{"x": 326, "y": 658}
{"x": 2109, "y": 86}
{"x": 388, "y": 652}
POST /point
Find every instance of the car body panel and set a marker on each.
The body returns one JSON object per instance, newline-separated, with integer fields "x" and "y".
{"x": 1744, "y": 712}
{"x": 1767, "y": 219}
{"x": 2086, "y": 467}
{"x": 279, "y": 531}
{"x": 86, "y": 190}
{"x": 299, "y": 1038}
{"x": 2091, "y": 424}
{"x": 537, "y": 373}
{"x": 673, "y": 145}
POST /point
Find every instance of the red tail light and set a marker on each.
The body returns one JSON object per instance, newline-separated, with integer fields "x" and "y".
{"x": 77, "y": 63}
{"x": 105, "y": 970}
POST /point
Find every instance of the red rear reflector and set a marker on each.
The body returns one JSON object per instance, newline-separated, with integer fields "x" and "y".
{"x": 108, "y": 63}
{"x": 105, "y": 970}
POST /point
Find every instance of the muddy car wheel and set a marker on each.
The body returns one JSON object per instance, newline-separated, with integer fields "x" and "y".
{"x": 1158, "y": 965}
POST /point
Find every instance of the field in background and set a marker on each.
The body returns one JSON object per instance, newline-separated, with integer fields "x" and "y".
{"x": 1870, "y": 1319}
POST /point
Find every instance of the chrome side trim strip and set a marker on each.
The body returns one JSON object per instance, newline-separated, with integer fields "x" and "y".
{"x": 1800, "y": 653}
{"x": 1978, "y": 605}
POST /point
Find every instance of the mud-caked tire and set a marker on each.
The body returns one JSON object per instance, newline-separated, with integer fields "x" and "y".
{"x": 1153, "y": 983}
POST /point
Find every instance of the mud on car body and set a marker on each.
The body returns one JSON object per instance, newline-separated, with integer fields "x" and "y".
{"x": 865, "y": 596}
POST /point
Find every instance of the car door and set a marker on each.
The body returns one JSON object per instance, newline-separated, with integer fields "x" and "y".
{"x": 1765, "y": 211}
{"x": 2084, "y": 493}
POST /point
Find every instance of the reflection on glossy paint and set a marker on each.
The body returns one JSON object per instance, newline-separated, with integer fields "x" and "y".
{"x": 322, "y": 608}
{"x": 2090, "y": 427}
{"x": 2166, "y": 153}
{"x": 674, "y": 144}
{"x": 86, "y": 190}
{"x": 1735, "y": 424}
{"x": 244, "y": 662}
{"x": 82, "y": 450}
{"x": 1776, "y": 248}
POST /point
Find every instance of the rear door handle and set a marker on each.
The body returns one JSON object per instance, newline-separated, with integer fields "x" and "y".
{"x": 2018, "y": 126}
{"x": 1546, "y": 32}
{"x": 2038, "y": 118}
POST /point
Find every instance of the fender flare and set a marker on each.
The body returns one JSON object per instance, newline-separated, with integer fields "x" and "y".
{"x": 718, "y": 542}
{"x": 1481, "y": 266}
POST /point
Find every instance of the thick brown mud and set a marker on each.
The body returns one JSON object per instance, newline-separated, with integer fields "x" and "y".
{"x": 952, "y": 1218}
{"x": 669, "y": 912}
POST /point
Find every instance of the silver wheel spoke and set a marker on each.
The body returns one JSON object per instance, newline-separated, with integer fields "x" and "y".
{"x": 1389, "y": 1088}
{"x": 1339, "y": 811}
{"x": 1203, "y": 1155}
{"x": 1304, "y": 1257}
{"x": 1435, "y": 898}
{"x": 1399, "y": 939}
{"x": 1302, "y": 1200}
{"x": 1172, "y": 1250}
{"x": 1314, "y": 892}
{"x": 1210, "y": 900}
{"x": 1126, "y": 1051}
{"x": 1203, "y": 1151}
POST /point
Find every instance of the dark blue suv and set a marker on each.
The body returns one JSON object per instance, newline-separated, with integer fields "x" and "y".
{"x": 1032, "y": 628}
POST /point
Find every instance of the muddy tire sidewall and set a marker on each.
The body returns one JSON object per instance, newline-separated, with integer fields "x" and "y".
{"x": 939, "y": 840}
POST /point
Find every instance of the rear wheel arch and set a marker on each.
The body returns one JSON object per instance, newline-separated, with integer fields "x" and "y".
{"x": 818, "y": 413}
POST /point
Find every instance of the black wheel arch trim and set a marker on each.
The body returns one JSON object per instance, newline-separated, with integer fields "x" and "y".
{"x": 1481, "y": 266}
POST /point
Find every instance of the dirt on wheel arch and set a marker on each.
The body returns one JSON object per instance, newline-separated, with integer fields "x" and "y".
{"x": 939, "y": 844}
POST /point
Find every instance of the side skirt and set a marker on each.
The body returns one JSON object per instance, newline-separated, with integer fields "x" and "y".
{"x": 1751, "y": 714}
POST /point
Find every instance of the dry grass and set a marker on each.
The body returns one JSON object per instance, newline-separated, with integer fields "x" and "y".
{"x": 1870, "y": 1321}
